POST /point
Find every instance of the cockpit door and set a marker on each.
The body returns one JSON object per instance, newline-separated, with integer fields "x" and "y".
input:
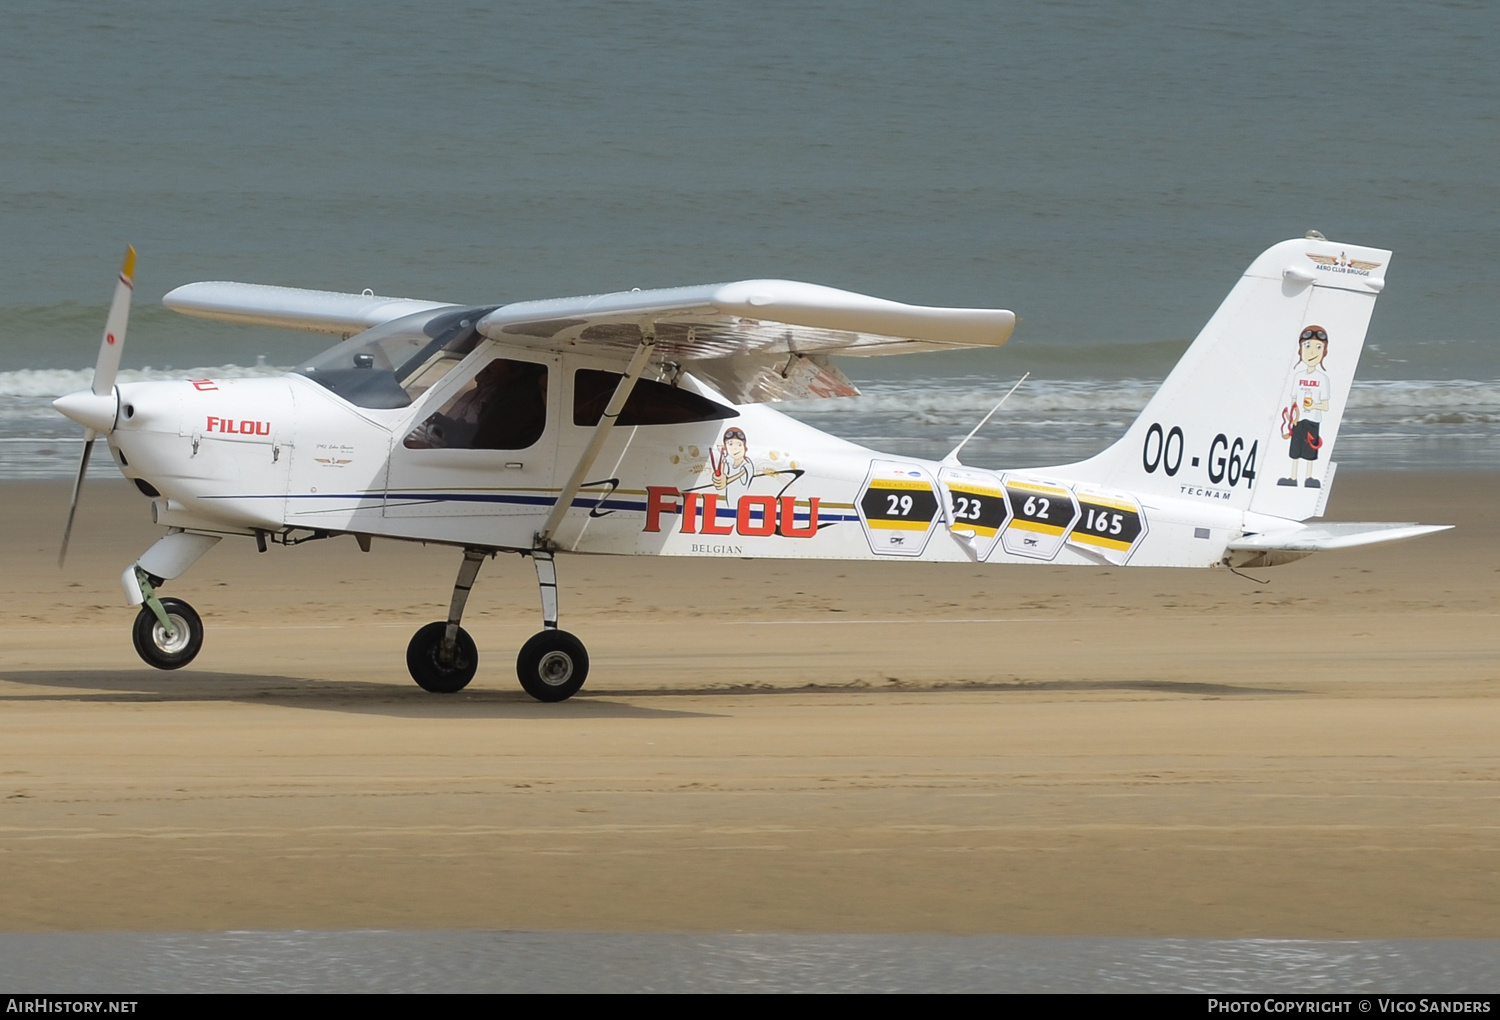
{"x": 483, "y": 444}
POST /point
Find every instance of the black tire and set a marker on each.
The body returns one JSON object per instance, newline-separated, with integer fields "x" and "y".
{"x": 552, "y": 666}
{"x": 158, "y": 649}
{"x": 436, "y": 676}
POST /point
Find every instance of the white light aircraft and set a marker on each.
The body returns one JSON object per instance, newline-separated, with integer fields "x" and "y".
{"x": 637, "y": 424}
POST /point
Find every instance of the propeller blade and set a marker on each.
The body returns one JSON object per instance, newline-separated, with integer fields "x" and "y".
{"x": 83, "y": 466}
{"x": 113, "y": 342}
{"x": 105, "y": 369}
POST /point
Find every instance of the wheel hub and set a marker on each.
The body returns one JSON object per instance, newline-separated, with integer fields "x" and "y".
{"x": 172, "y": 643}
{"x": 555, "y": 669}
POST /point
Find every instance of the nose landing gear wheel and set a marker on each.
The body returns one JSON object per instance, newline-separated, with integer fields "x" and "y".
{"x": 163, "y": 650}
{"x": 552, "y": 666}
{"x": 424, "y": 660}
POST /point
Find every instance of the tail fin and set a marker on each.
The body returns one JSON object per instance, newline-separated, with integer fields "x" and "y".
{"x": 1250, "y": 415}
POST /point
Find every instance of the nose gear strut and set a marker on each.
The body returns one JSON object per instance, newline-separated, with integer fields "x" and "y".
{"x": 147, "y": 584}
{"x": 168, "y": 633}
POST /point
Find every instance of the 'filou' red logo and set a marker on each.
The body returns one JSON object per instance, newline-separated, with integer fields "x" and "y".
{"x": 245, "y": 427}
{"x": 699, "y": 513}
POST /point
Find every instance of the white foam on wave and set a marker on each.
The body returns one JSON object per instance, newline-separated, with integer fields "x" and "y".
{"x": 943, "y": 398}
{"x": 1431, "y": 396}
{"x": 54, "y": 382}
{"x": 1429, "y": 401}
{"x": 939, "y": 400}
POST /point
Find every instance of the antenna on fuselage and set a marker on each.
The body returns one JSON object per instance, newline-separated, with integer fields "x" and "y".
{"x": 952, "y": 458}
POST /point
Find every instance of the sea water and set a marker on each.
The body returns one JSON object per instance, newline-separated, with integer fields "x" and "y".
{"x": 500, "y": 961}
{"x": 1105, "y": 171}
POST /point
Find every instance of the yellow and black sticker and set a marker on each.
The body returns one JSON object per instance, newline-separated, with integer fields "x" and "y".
{"x": 978, "y": 508}
{"x": 897, "y": 508}
{"x": 1042, "y": 513}
{"x": 902, "y": 504}
{"x": 1109, "y": 525}
{"x": 977, "y": 511}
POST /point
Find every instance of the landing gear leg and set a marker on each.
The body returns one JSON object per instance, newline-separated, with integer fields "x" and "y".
{"x": 553, "y": 665}
{"x": 442, "y": 657}
{"x": 168, "y": 633}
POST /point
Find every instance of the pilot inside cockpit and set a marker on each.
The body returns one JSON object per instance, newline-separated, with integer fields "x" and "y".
{"x": 503, "y": 408}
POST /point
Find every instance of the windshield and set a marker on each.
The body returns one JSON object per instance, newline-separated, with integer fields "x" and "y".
{"x": 396, "y": 362}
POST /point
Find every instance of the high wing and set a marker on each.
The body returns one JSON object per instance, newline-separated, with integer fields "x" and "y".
{"x": 1268, "y": 549}
{"x": 749, "y": 317}
{"x": 752, "y": 340}
{"x": 311, "y": 311}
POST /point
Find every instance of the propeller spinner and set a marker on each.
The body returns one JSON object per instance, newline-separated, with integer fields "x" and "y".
{"x": 96, "y": 407}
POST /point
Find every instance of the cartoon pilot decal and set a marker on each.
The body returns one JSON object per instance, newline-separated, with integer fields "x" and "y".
{"x": 733, "y": 469}
{"x": 1308, "y": 391}
{"x": 752, "y": 514}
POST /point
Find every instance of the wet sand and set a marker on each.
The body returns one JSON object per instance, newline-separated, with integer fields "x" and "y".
{"x": 763, "y": 746}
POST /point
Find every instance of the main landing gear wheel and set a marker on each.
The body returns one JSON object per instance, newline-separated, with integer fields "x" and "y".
{"x": 424, "y": 660}
{"x": 163, "y": 650}
{"x": 552, "y": 666}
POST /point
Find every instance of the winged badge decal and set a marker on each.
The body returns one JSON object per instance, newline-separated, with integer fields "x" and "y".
{"x": 1344, "y": 261}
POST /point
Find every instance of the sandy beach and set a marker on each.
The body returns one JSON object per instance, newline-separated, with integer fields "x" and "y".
{"x": 774, "y": 747}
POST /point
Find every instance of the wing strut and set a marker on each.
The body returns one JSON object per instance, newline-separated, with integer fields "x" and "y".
{"x": 544, "y": 538}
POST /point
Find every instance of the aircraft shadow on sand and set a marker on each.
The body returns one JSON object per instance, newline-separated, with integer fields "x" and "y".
{"x": 145, "y": 686}
{"x": 140, "y": 686}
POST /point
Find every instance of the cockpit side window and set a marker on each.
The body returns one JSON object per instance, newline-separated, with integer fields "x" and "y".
{"x": 396, "y": 362}
{"x": 649, "y": 403}
{"x": 504, "y": 407}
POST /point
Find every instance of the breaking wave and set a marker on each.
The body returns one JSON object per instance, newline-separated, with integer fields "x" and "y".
{"x": 1415, "y": 401}
{"x": 54, "y": 382}
{"x": 939, "y": 399}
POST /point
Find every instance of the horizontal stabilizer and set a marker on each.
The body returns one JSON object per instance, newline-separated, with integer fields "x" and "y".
{"x": 310, "y": 311}
{"x": 1323, "y": 537}
{"x": 1272, "y": 548}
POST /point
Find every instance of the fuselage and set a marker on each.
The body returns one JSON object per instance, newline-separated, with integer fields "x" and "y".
{"x": 277, "y": 453}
